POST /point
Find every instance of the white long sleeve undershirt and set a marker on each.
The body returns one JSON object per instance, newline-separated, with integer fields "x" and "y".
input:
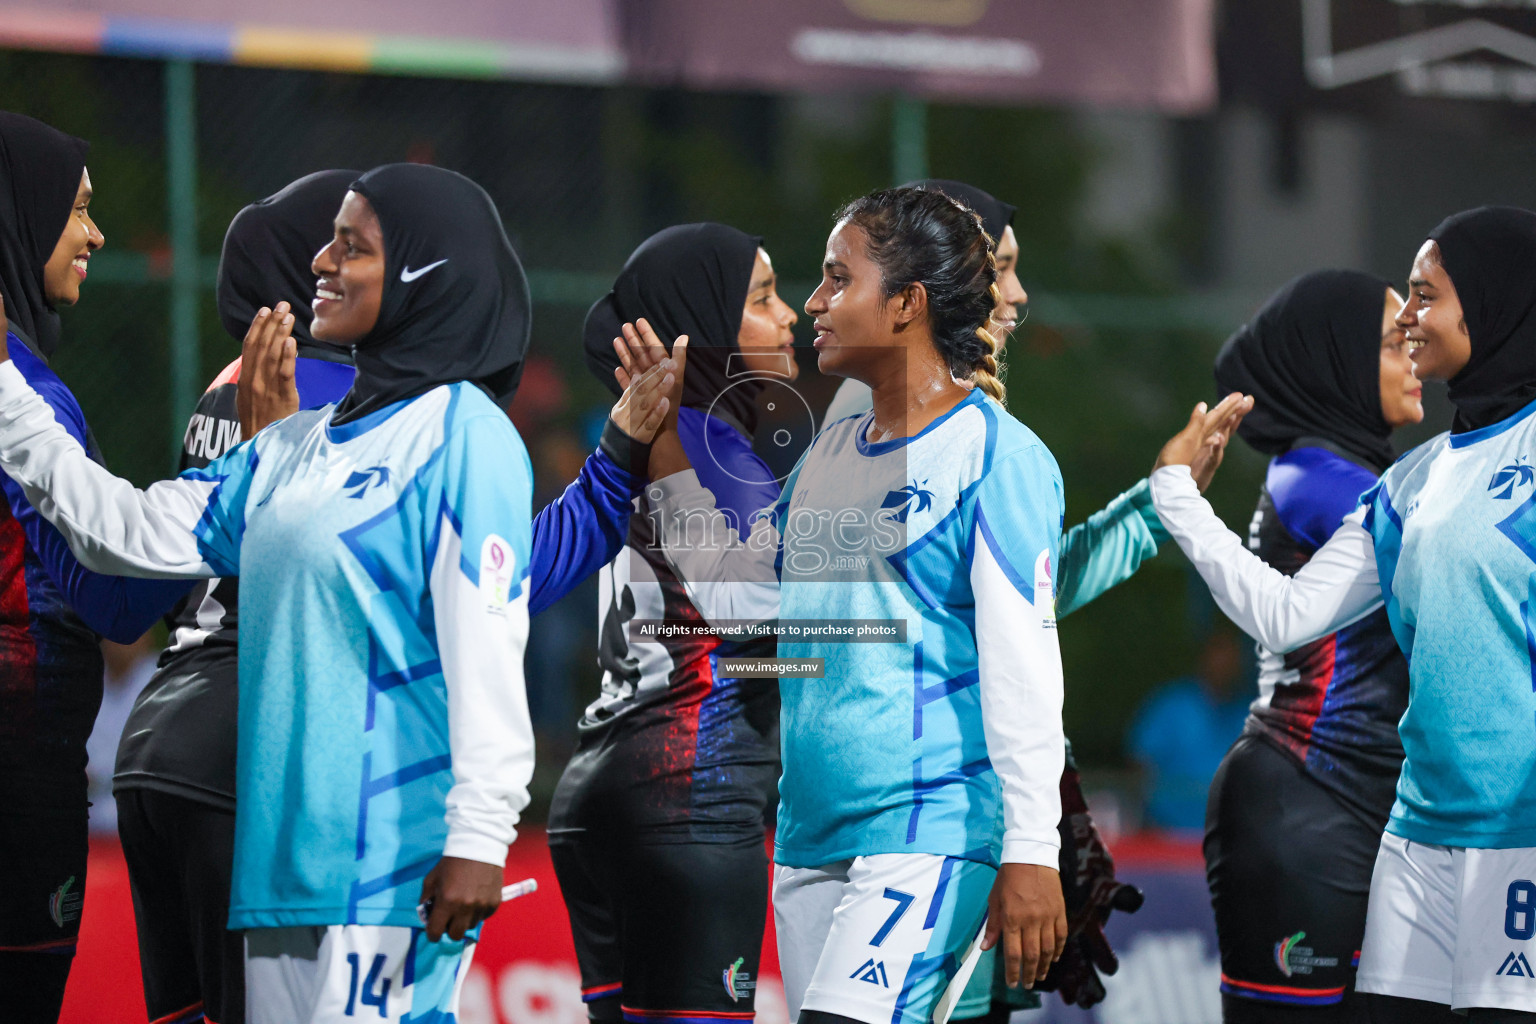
{"x": 1337, "y": 586}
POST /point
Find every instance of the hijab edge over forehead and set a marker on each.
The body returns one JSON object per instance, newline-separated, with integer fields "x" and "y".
{"x": 1489, "y": 253}
{"x": 1311, "y": 357}
{"x": 467, "y": 316}
{"x": 688, "y": 279}
{"x": 268, "y": 249}
{"x": 40, "y": 173}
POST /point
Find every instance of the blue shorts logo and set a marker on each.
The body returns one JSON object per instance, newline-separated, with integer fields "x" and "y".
{"x": 872, "y": 972}
{"x": 1516, "y": 966}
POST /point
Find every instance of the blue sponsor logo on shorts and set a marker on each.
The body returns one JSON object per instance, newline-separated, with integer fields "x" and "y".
{"x": 1516, "y": 966}
{"x": 872, "y": 972}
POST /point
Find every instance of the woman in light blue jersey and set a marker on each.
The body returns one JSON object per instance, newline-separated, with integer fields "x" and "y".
{"x": 1447, "y": 541}
{"x": 383, "y": 545}
{"x": 1096, "y": 555}
{"x": 908, "y": 566}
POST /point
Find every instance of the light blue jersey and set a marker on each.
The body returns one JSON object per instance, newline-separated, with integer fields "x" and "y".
{"x": 944, "y": 740}
{"x": 887, "y": 753}
{"x": 383, "y": 722}
{"x": 1454, "y": 526}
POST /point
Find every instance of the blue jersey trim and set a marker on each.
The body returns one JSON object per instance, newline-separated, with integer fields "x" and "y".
{"x": 340, "y": 433}
{"x": 923, "y": 695}
{"x": 1492, "y": 430}
{"x": 362, "y": 890}
{"x": 1019, "y": 583}
{"x": 921, "y": 785}
{"x": 866, "y": 447}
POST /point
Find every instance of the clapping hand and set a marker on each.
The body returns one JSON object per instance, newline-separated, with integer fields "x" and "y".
{"x": 268, "y": 357}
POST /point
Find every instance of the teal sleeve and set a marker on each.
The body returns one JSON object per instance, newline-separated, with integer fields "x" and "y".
{"x": 1108, "y": 548}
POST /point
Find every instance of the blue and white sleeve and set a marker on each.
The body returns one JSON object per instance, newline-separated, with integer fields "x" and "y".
{"x": 1016, "y": 538}
{"x": 187, "y": 528}
{"x": 1107, "y": 549}
{"x": 479, "y": 588}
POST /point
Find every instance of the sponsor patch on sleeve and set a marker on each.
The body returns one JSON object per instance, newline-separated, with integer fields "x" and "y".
{"x": 496, "y": 567}
{"x": 1045, "y": 591}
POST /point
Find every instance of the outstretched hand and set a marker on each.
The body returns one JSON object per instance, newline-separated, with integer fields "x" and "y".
{"x": 268, "y": 358}
{"x": 640, "y": 350}
{"x": 642, "y": 408}
{"x": 1203, "y": 441}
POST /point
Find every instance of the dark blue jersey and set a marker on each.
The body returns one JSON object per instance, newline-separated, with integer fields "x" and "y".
{"x": 52, "y": 614}
{"x": 670, "y": 751}
{"x": 1333, "y": 704}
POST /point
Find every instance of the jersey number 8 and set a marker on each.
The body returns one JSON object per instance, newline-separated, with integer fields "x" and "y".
{"x": 1520, "y": 910}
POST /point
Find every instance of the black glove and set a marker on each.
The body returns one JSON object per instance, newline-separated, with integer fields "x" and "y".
{"x": 1090, "y": 890}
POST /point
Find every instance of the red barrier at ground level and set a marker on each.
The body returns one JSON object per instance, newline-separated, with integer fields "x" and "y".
{"x": 524, "y": 969}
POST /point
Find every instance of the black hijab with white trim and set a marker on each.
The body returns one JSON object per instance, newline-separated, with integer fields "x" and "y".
{"x": 455, "y": 306}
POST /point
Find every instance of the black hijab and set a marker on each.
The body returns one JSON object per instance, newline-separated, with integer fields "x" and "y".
{"x": 1490, "y": 256}
{"x": 267, "y": 254}
{"x": 40, "y": 170}
{"x": 1311, "y": 359}
{"x": 690, "y": 279}
{"x": 995, "y": 214}
{"x": 456, "y": 303}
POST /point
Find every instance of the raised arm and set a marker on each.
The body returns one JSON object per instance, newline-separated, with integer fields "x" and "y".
{"x": 583, "y": 530}
{"x": 1108, "y": 549}
{"x": 1337, "y": 586}
{"x": 120, "y": 608}
{"x": 185, "y": 528}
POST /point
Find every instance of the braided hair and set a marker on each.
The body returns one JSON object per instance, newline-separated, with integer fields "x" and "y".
{"x": 921, "y": 236}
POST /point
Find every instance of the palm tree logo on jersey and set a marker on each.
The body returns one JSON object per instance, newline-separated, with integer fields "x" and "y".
{"x": 1516, "y": 474}
{"x": 366, "y": 478}
{"x": 911, "y": 498}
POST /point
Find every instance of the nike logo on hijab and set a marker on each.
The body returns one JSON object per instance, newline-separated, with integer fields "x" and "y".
{"x": 408, "y": 275}
{"x": 470, "y": 325}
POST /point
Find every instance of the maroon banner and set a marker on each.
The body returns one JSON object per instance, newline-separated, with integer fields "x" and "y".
{"x": 1114, "y": 53}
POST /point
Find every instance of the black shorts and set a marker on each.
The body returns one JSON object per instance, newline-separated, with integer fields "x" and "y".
{"x": 43, "y": 849}
{"x": 1289, "y": 868}
{"x": 180, "y": 855}
{"x": 665, "y": 929}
